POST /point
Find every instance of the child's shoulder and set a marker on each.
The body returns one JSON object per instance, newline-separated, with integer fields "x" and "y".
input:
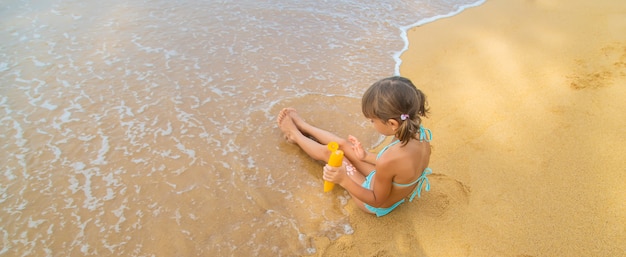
{"x": 395, "y": 156}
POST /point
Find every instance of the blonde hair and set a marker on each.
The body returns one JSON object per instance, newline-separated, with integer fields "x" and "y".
{"x": 394, "y": 98}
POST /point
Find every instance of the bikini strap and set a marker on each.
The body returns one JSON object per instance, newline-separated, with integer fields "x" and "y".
{"x": 422, "y": 182}
{"x": 423, "y": 137}
{"x": 385, "y": 148}
{"x": 423, "y": 134}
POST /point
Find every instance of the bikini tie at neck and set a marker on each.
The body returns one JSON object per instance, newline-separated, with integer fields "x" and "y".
{"x": 423, "y": 134}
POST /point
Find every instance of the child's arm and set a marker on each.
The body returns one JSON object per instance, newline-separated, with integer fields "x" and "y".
{"x": 369, "y": 158}
{"x": 375, "y": 197}
{"x": 360, "y": 151}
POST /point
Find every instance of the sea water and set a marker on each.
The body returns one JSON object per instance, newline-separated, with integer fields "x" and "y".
{"x": 147, "y": 128}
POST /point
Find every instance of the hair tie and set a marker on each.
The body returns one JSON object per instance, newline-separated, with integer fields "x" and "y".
{"x": 404, "y": 116}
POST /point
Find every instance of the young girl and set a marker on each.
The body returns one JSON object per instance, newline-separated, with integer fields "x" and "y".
{"x": 378, "y": 184}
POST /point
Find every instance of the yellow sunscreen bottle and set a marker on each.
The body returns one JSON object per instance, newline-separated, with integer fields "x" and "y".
{"x": 335, "y": 160}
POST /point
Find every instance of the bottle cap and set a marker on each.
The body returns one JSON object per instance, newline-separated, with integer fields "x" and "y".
{"x": 333, "y": 146}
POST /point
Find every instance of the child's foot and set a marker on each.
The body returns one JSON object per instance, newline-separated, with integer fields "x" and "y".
{"x": 282, "y": 114}
{"x": 301, "y": 124}
{"x": 286, "y": 125}
{"x": 295, "y": 117}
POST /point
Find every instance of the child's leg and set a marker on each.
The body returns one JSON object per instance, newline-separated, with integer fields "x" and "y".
{"x": 323, "y": 136}
{"x": 319, "y": 150}
{"x": 360, "y": 204}
{"x": 314, "y": 149}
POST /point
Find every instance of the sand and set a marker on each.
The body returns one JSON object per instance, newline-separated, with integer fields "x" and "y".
{"x": 528, "y": 113}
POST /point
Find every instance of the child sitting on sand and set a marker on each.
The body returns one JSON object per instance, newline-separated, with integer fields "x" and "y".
{"x": 378, "y": 184}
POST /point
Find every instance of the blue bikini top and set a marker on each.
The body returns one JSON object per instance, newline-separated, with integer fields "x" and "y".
{"x": 422, "y": 180}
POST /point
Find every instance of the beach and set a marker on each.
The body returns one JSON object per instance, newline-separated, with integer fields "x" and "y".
{"x": 527, "y": 113}
{"x": 148, "y": 128}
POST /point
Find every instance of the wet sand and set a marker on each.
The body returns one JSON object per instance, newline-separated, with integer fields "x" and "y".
{"x": 527, "y": 111}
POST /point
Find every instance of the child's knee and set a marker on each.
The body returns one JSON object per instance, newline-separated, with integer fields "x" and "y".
{"x": 343, "y": 143}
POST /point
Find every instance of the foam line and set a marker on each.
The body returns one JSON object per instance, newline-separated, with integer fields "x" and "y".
{"x": 405, "y": 29}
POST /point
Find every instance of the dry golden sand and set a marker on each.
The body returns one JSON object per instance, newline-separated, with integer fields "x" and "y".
{"x": 528, "y": 112}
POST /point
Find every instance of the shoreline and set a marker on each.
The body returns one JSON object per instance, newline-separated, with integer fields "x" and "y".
{"x": 527, "y": 115}
{"x": 404, "y": 29}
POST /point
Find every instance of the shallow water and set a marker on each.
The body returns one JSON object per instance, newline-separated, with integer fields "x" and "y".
{"x": 146, "y": 128}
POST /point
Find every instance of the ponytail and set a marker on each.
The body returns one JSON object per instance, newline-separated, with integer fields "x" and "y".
{"x": 408, "y": 129}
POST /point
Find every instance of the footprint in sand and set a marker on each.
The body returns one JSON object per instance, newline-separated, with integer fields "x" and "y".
{"x": 600, "y": 72}
{"x": 446, "y": 194}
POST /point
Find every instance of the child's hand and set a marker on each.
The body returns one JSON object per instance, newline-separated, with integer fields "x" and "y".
{"x": 334, "y": 174}
{"x": 357, "y": 147}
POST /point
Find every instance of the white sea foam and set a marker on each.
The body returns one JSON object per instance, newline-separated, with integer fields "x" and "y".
{"x": 35, "y": 223}
{"x": 91, "y": 202}
{"x": 20, "y": 141}
{"x": 104, "y": 149}
{"x": 188, "y": 189}
{"x": 49, "y": 106}
{"x": 119, "y": 213}
{"x": 110, "y": 194}
{"x": 86, "y": 138}
{"x": 270, "y": 180}
{"x": 191, "y": 153}
{"x": 3, "y": 193}
{"x": 139, "y": 160}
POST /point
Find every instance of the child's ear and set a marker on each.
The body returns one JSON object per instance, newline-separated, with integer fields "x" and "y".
{"x": 394, "y": 124}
